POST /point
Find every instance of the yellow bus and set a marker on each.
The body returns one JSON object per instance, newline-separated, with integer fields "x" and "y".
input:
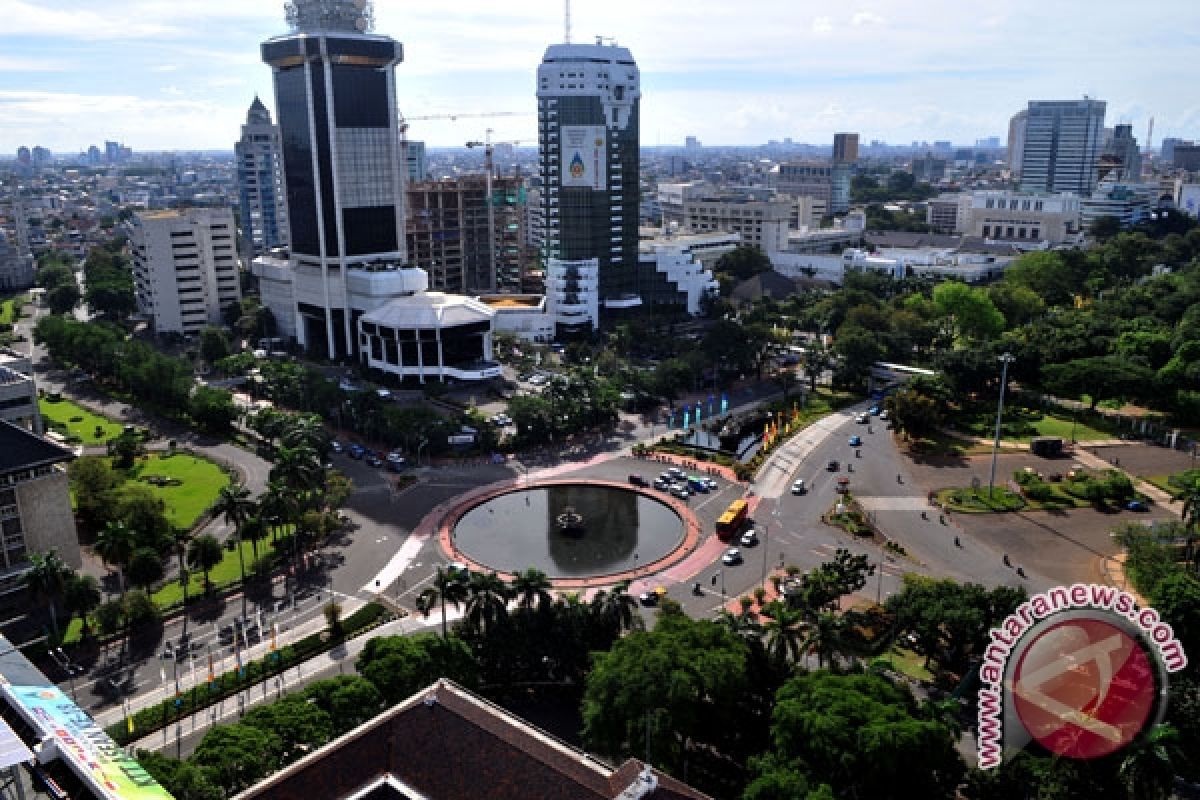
{"x": 731, "y": 521}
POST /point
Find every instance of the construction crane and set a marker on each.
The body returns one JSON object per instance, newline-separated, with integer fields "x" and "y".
{"x": 403, "y": 124}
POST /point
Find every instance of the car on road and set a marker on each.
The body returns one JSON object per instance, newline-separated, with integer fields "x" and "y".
{"x": 225, "y": 635}
{"x": 855, "y": 441}
{"x": 648, "y": 598}
{"x": 861, "y": 419}
{"x": 697, "y": 484}
{"x": 833, "y": 465}
{"x": 457, "y": 568}
{"x": 384, "y": 394}
{"x": 539, "y": 380}
{"x": 732, "y": 557}
{"x": 711, "y": 484}
{"x": 395, "y": 461}
{"x": 337, "y": 446}
{"x": 798, "y": 486}
{"x": 749, "y": 538}
{"x": 680, "y": 491}
{"x": 1135, "y": 505}
{"x": 662, "y": 484}
{"x": 374, "y": 460}
{"x": 884, "y": 414}
{"x": 676, "y": 474}
{"x": 873, "y": 411}
{"x": 356, "y": 451}
{"x": 638, "y": 480}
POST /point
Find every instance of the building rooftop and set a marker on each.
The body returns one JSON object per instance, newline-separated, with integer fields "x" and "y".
{"x": 512, "y": 300}
{"x": 445, "y": 743}
{"x": 429, "y": 310}
{"x": 20, "y": 449}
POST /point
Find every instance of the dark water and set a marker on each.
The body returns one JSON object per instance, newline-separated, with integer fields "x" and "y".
{"x": 518, "y": 530}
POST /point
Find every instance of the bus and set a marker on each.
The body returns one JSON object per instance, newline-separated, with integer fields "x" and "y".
{"x": 730, "y": 522}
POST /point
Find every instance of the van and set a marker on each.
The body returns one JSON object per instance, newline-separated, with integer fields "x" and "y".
{"x": 697, "y": 484}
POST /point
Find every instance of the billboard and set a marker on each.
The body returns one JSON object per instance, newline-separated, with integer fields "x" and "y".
{"x": 93, "y": 756}
{"x": 583, "y": 156}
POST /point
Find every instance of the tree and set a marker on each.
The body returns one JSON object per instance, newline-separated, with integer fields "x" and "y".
{"x": 299, "y": 725}
{"x": 115, "y": 545}
{"x": 816, "y": 361}
{"x": 398, "y": 666}
{"x": 47, "y": 579}
{"x": 145, "y": 568}
{"x": 858, "y": 350}
{"x": 743, "y": 262}
{"x": 238, "y": 755}
{"x": 448, "y": 587}
{"x": 203, "y": 554}
{"x": 145, "y": 513}
{"x": 212, "y": 410}
{"x": 214, "y": 344}
{"x": 1147, "y": 767}
{"x": 81, "y": 596}
{"x": 487, "y": 604}
{"x": 913, "y": 413}
{"x": 1177, "y": 598}
{"x": 349, "y": 700}
{"x": 182, "y": 780}
{"x": 234, "y": 504}
{"x": 125, "y": 449}
{"x": 784, "y": 630}
{"x": 682, "y": 683}
{"x": 862, "y": 736}
{"x": 1104, "y": 228}
{"x": 92, "y": 481}
{"x": 1101, "y": 378}
{"x": 63, "y": 299}
{"x": 970, "y": 311}
{"x": 532, "y": 589}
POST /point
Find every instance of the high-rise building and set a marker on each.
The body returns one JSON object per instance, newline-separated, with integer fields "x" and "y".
{"x": 260, "y": 183}
{"x": 335, "y": 100}
{"x": 1016, "y": 142}
{"x": 414, "y": 154}
{"x": 588, "y": 136}
{"x": 24, "y": 156}
{"x": 805, "y": 179}
{"x": 112, "y": 152}
{"x": 185, "y": 267}
{"x": 1063, "y": 143}
{"x": 845, "y": 148}
{"x": 1167, "y": 152}
{"x": 1186, "y": 156}
{"x": 1122, "y": 146}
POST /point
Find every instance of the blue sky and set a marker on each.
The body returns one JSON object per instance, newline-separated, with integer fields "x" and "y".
{"x": 179, "y": 74}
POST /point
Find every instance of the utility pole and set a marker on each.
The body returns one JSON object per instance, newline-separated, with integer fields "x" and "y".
{"x": 1005, "y": 360}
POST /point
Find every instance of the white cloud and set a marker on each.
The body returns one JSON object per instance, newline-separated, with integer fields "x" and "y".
{"x": 23, "y": 64}
{"x": 866, "y": 18}
{"x": 822, "y": 25}
{"x": 165, "y": 68}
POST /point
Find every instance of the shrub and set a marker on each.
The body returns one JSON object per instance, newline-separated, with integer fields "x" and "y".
{"x": 1038, "y": 491}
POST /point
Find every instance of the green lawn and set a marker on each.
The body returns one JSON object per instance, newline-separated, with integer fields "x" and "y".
{"x": 223, "y": 574}
{"x": 1022, "y": 424}
{"x": 906, "y": 662}
{"x": 200, "y": 483}
{"x": 77, "y": 423}
{"x": 9, "y": 307}
{"x": 976, "y": 501}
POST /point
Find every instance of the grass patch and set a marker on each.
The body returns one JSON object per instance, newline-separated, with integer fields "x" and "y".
{"x": 943, "y": 444}
{"x": 1021, "y": 424}
{"x": 908, "y": 663}
{"x": 10, "y": 307}
{"x": 977, "y": 501}
{"x": 223, "y": 574}
{"x": 77, "y": 423}
{"x": 199, "y": 482}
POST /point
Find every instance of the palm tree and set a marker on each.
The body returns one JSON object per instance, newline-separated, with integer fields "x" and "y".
{"x": 616, "y": 609}
{"x": 742, "y": 625}
{"x": 306, "y": 430}
{"x": 532, "y": 589}
{"x": 1147, "y": 770}
{"x": 203, "y": 554}
{"x": 1190, "y": 495}
{"x": 235, "y": 505}
{"x": 298, "y": 468}
{"x": 824, "y": 635}
{"x": 48, "y": 579}
{"x": 115, "y": 545}
{"x": 784, "y": 631}
{"x": 82, "y": 596}
{"x": 145, "y": 568}
{"x": 448, "y": 587}
{"x": 487, "y": 604}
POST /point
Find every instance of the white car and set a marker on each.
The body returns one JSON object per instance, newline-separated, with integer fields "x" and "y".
{"x": 732, "y": 557}
{"x": 680, "y": 491}
{"x": 750, "y": 538}
{"x": 861, "y": 419}
{"x": 798, "y": 486}
{"x": 883, "y": 414}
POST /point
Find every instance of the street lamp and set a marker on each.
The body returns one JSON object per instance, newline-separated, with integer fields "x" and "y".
{"x": 721, "y": 574}
{"x": 1005, "y": 360}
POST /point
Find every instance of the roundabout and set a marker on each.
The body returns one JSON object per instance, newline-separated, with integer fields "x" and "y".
{"x": 580, "y": 533}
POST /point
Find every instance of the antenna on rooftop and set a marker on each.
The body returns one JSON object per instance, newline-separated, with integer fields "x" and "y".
{"x": 566, "y": 21}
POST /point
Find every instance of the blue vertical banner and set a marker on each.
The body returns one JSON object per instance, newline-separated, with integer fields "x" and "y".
{"x": 710, "y": 405}
{"x": 698, "y": 409}
{"x": 687, "y": 419}
{"x": 724, "y": 402}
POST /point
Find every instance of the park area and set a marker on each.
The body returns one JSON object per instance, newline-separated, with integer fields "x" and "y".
{"x": 187, "y": 484}
{"x": 1020, "y": 424}
{"x": 75, "y": 422}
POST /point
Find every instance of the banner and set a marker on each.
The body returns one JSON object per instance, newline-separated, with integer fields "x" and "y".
{"x": 584, "y": 153}
{"x": 108, "y": 771}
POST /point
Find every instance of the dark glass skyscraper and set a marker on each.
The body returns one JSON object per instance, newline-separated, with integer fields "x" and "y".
{"x": 588, "y": 103}
{"x": 260, "y": 183}
{"x": 335, "y": 99}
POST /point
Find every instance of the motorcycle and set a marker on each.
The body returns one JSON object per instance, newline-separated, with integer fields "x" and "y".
{"x": 697, "y": 589}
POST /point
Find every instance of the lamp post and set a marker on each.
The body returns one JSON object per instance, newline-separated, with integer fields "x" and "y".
{"x": 1005, "y": 360}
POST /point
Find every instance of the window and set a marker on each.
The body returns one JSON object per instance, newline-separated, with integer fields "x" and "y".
{"x": 1035, "y": 234}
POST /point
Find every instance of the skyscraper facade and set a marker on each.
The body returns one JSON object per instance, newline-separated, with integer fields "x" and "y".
{"x": 845, "y": 148}
{"x": 1123, "y": 148}
{"x": 588, "y": 134}
{"x": 1016, "y": 142}
{"x": 1063, "y": 144}
{"x": 335, "y": 97}
{"x": 260, "y": 184}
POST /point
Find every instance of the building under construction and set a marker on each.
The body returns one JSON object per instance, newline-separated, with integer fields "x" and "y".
{"x": 464, "y": 248}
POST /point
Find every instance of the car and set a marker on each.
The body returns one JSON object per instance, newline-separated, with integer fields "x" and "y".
{"x": 356, "y": 451}
{"x": 732, "y": 557}
{"x": 225, "y": 635}
{"x": 833, "y": 465}
{"x": 873, "y": 411}
{"x": 855, "y": 441}
{"x": 661, "y": 484}
{"x": 1135, "y": 505}
{"x": 384, "y": 394}
{"x": 337, "y": 446}
{"x": 457, "y": 568}
{"x": 697, "y": 484}
{"x": 666, "y": 477}
{"x": 539, "y": 380}
{"x": 648, "y": 598}
{"x": 798, "y": 486}
{"x": 680, "y": 491}
{"x": 711, "y": 484}
{"x": 883, "y": 415}
{"x": 677, "y": 474}
{"x": 395, "y": 461}
{"x": 374, "y": 461}
{"x": 555, "y": 347}
{"x": 861, "y": 419}
{"x": 749, "y": 538}
{"x": 638, "y": 480}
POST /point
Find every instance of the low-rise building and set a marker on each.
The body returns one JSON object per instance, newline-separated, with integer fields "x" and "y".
{"x": 947, "y": 213}
{"x": 1129, "y": 204}
{"x": 18, "y": 400}
{"x": 522, "y": 315}
{"x": 1023, "y": 217}
{"x": 35, "y": 504}
{"x": 760, "y": 219}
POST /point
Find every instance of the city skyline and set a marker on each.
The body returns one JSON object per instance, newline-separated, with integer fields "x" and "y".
{"x": 162, "y": 75}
